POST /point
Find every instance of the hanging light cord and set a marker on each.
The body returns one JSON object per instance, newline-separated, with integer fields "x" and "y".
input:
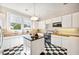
{"x": 34, "y": 9}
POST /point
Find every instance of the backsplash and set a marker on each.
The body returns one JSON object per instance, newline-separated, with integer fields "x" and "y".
{"x": 66, "y": 32}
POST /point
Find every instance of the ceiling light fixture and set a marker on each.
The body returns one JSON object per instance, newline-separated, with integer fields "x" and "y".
{"x": 34, "y": 17}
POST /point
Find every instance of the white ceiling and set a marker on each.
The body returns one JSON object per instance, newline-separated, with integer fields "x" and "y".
{"x": 42, "y": 10}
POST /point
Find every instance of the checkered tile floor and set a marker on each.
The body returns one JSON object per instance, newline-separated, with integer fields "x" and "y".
{"x": 52, "y": 49}
{"x": 13, "y": 51}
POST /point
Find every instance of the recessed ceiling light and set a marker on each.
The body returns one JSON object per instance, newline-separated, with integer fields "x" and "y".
{"x": 26, "y": 9}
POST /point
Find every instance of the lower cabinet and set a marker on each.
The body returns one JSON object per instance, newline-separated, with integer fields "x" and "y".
{"x": 56, "y": 40}
{"x": 70, "y": 43}
{"x": 66, "y": 44}
{"x": 9, "y": 42}
{"x": 27, "y": 46}
{"x": 37, "y": 46}
{"x": 74, "y": 43}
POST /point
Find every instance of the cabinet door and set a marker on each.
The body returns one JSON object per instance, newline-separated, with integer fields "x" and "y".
{"x": 27, "y": 46}
{"x": 35, "y": 25}
{"x": 56, "y": 40}
{"x": 66, "y": 21}
{"x": 75, "y": 18}
{"x": 74, "y": 45}
{"x": 41, "y": 25}
{"x": 37, "y": 46}
{"x": 57, "y": 19}
{"x": 66, "y": 43}
{"x": 6, "y": 44}
{"x": 48, "y": 24}
{"x": 71, "y": 44}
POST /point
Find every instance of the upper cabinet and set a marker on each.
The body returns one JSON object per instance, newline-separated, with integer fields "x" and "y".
{"x": 35, "y": 25}
{"x": 71, "y": 20}
{"x": 57, "y": 19}
{"x": 57, "y": 40}
{"x": 67, "y": 21}
{"x": 75, "y": 20}
{"x": 41, "y": 25}
{"x": 48, "y": 24}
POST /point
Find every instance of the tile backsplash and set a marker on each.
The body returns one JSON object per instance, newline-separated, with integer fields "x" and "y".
{"x": 68, "y": 31}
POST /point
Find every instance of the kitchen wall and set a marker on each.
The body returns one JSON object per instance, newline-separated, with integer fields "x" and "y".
{"x": 64, "y": 10}
{"x": 6, "y": 18}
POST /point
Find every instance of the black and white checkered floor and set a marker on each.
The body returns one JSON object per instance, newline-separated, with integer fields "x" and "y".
{"x": 17, "y": 50}
{"x": 52, "y": 49}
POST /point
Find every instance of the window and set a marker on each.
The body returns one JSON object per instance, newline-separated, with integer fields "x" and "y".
{"x": 27, "y": 23}
{"x": 16, "y": 26}
{"x": 14, "y": 21}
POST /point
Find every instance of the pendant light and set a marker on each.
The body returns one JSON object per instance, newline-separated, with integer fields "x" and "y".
{"x": 34, "y": 17}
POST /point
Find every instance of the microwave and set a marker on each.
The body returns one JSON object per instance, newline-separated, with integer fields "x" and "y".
{"x": 57, "y": 24}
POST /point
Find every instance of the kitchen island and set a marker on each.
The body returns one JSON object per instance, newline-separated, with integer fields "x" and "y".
{"x": 29, "y": 45}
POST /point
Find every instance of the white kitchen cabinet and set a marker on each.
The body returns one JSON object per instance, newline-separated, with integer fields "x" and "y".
{"x": 71, "y": 20}
{"x": 75, "y": 20}
{"x": 71, "y": 44}
{"x": 66, "y": 43}
{"x": 67, "y": 21}
{"x": 48, "y": 24}
{"x": 27, "y": 43}
{"x": 74, "y": 45}
{"x": 60, "y": 41}
{"x": 57, "y": 19}
{"x": 56, "y": 40}
{"x": 27, "y": 46}
{"x": 12, "y": 41}
{"x": 41, "y": 25}
{"x": 35, "y": 24}
{"x": 37, "y": 46}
